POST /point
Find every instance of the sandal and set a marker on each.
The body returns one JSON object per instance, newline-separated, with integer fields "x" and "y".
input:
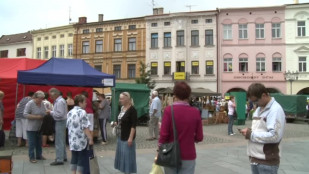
{"x": 33, "y": 161}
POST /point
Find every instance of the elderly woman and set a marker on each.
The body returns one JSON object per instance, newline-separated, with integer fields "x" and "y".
{"x": 79, "y": 134}
{"x": 35, "y": 112}
{"x": 125, "y": 159}
{"x": 189, "y": 128}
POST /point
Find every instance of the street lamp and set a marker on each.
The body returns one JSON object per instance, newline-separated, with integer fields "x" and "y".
{"x": 291, "y": 76}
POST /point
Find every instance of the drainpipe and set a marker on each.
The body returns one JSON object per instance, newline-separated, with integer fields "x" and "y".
{"x": 217, "y": 28}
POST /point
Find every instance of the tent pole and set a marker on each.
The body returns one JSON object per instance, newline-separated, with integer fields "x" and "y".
{"x": 16, "y": 95}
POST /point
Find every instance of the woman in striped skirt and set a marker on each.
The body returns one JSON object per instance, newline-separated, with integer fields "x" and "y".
{"x": 125, "y": 159}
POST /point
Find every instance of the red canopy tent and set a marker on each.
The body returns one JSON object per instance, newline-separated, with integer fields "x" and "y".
{"x": 8, "y": 84}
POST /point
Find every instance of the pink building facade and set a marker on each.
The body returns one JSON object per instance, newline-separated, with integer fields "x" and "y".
{"x": 251, "y": 48}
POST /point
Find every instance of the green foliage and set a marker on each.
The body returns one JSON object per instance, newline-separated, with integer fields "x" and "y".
{"x": 145, "y": 76}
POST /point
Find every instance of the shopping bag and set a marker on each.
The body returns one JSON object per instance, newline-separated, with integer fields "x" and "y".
{"x": 93, "y": 162}
{"x": 156, "y": 169}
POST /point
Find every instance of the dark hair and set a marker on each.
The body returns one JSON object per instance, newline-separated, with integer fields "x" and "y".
{"x": 182, "y": 90}
{"x": 231, "y": 97}
{"x": 46, "y": 95}
{"x": 257, "y": 90}
{"x": 69, "y": 94}
{"x": 85, "y": 93}
{"x": 78, "y": 99}
{"x": 30, "y": 94}
{"x": 101, "y": 95}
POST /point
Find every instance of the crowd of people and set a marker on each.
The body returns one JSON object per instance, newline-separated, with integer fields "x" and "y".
{"x": 78, "y": 115}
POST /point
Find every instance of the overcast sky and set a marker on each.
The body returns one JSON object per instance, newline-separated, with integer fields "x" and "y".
{"x": 18, "y": 16}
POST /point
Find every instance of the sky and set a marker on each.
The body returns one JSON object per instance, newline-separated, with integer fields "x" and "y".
{"x": 18, "y": 16}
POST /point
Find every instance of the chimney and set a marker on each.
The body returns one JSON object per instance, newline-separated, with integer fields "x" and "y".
{"x": 295, "y": 1}
{"x": 158, "y": 11}
{"x": 82, "y": 20}
{"x": 101, "y": 17}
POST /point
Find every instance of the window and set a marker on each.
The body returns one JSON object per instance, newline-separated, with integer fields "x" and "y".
{"x": 132, "y": 27}
{"x": 70, "y": 49}
{"x": 132, "y": 44}
{"x": 208, "y": 20}
{"x": 180, "y": 66}
{"x": 61, "y": 35}
{"x": 260, "y": 64}
{"x": 46, "y": 38}
{"x": 154, "y": 24}
{"x": 194, "y": 21}
{"x": 38, "y": 53}
{"x": 209, "y": 67}
{"x": 21, "y": 52}
{"x": 243, "y": 64}
{"x": 86, "y": 47}
{"x": 167, "y": 68}
{"x": 276, "y": 64}
{"x": 70, "y": 34}
{"x": 117, "y": 45}
{"x": 167, "y": 39}
{"x": 154, "y": 40}
{"x": 4, "y": 53}
{"x": 209, "y": 37}
{"x": 61, "y": 48}
{"x": 39, "y": 39}
{"x": 54, "y": 51}
{"x": 118, "y": 28}
{"x": 195, "y": 67}
{"x": 228, "y": 65}
{"x": 259, "y": 31}
{"x": 99, "y": 46}
{"x": 302, "y": 64}
{"x": 99, "y": 30}
{"x": 194, "y": 38}
{"x": 54, "y": 37}
{"x": 301, "y": 28}
{"x": 131, "y": 71}
{"x": 117, "y": 71}
{"x": 180, "y": 38}
{"x": 98, "y": 67}
{"x": 46, "y": 52}
{"x": 154, "y": 68}
{"x": 167, "y": 23}
{"x": 227, "y": 31}
{"x": 276, "y": 30}
{"x": 243, "y": 31}
{"x": 86, "y": 31}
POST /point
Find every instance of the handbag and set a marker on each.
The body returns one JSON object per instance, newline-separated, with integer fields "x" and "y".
{"x": 169, "y": 153}
{"x": 93, "y": 162}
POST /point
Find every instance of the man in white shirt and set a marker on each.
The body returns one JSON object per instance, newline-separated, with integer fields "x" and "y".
{"x": 154, "y": 114}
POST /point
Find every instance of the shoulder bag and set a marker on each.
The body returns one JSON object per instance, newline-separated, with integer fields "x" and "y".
{"x": 169, "y": 153}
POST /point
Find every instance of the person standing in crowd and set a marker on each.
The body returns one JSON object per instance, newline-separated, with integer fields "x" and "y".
{"x": 125, "y": 159}
{"x": 59, "y": 113}
{"x": 103, "y": 116}
{"x": 266, "y": 131}
{"x": 21, "y": 121}
{"x": 189, "y": 128}
{"x": 70, "y": 101}
{"x": 35, "y": 112}
{"x": 79, "y": 135}
{"x": 154, "y": 115}
{"x": 2, "y": 135}
{"x": 48, "y": 126}
{"x": 231, "y": 111}
{"x": 89, "y": 111}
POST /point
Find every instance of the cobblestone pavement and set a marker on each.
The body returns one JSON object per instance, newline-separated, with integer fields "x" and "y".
{"x": 213, "y": 154}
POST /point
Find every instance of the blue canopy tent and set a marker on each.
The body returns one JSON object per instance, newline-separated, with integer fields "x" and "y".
{"x": 66, "y": 72}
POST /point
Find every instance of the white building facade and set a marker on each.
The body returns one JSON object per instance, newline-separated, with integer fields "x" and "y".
{"x": 16, "y": 46}
{"x": 182, "y": 46}
{"x": 297, "y": 47}
{"x": 53, "y": 42}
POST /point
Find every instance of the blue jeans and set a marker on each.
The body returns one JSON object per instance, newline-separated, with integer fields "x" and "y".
{"x": 34, "y": 142}
{"x": 60, "y": 145}
{"x": 230, "y": 126}
{"x": 264, "y": 169}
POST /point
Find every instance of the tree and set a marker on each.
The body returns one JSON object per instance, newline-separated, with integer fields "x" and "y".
{"x": 145, "y": 76}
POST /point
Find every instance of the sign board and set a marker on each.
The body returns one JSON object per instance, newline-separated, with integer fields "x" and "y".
{"x": 180, "y": 76}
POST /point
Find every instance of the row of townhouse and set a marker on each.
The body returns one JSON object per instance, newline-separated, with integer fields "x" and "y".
{"x": 221, "y": 50}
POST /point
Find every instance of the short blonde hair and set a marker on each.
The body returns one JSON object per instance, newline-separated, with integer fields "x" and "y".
{"x": 1, "y": 95}
{"x": 127, "y": 94}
